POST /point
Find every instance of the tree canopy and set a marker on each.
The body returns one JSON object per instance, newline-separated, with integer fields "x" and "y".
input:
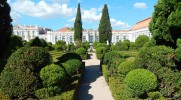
{"x": 5, "y": 27}
{"x": 105, "y": 29}
{"x": 78, "y": 26}
{"x": 165, "y": 25}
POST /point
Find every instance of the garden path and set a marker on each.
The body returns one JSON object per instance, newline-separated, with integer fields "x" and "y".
{"x": 93, "y": 86}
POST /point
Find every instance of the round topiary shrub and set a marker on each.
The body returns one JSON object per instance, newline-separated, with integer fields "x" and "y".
{"x": 73, "y": 66}
{"x": 81, "y": 50}
{"x": 20, "y": 76}
{"x": 139, "y": 82}
{"x": 19, "y": 82}
{"x": 37, "y": 56}
{"x": 52, "y": 75}
{"x": 125, "y": 67}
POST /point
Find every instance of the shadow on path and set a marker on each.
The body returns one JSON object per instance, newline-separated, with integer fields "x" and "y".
{"x": 91, "y": 74}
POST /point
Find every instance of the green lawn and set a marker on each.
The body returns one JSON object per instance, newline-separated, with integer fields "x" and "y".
{"x": 129, "y": 53}
{"x": 56, "y": 54}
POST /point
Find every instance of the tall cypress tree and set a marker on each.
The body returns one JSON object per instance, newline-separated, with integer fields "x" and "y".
{"x": 165, "y": 25}
{"x": 105, "y": 29}
{"x": 78, "y": 26}
{"x": 5, "y": 28}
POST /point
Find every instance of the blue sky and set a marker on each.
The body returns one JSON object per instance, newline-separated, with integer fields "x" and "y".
{"x": 56, "y": 14}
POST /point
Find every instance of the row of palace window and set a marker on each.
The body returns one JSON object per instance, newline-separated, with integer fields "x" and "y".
{"x": 22, "y": 33}
{"x": 70, "y": 38}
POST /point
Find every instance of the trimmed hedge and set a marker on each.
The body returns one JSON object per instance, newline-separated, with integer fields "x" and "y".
{"x": 117, "y": 88}
{"x": 48, "y": 92}
{"x": 140, "y": 81}
{"x": 105, "y": 72}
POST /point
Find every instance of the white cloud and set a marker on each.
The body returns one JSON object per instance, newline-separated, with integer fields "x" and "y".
{"x": 60, "y": 1}
{"x": 71, "y": 20}
{"x": 120, "y": 24}
{"x": 100, "y": 8}
{"x": 42, "y": 9}
{"x": 15, "y": 16}
{"x": 67, "y": 25}
{"x": 140, "y": 5}
{"x": 91, "y": 15}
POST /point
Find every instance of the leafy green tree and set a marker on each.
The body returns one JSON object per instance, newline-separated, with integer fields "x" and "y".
{"x": 165, "y": 25}
{"x": 5, "y": 29}
{"x": 105, "y": 29}
{"x": 78, "y": 26}
{"x": 14, "y": 44}
{"x": 141, "y": 40}
{"x": 158, "y": 54}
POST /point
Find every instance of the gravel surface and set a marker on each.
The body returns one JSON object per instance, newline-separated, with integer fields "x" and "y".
{"x": 93, "y": 86}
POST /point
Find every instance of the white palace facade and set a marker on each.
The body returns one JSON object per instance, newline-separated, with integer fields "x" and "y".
{"x": 67, "y": 35}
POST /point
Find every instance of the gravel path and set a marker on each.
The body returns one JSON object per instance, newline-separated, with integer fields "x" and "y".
{"x": 94, "y": 86}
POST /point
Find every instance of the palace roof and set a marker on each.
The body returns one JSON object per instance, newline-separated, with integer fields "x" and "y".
{"x": 141, "y": 24}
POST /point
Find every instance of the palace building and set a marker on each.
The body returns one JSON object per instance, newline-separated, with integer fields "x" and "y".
{"x": 67, "y": 35}
{"x": 29, "y": 32}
